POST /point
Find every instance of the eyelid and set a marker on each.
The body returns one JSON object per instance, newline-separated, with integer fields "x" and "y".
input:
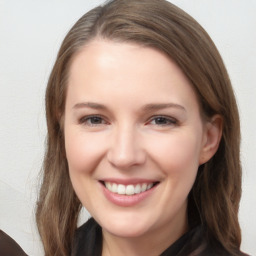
{"x": 86, "y": 118}
{"x": 171, "y": 120}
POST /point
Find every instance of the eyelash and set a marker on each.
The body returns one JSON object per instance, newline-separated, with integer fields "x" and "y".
{"x": 169, "y": 121}
{"x": 96, "y": 120}
{"x": 87, "y": 120}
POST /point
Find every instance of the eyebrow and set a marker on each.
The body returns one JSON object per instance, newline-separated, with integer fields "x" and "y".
{"x": 89, "y": 105}
{"x": 148, "y": 107}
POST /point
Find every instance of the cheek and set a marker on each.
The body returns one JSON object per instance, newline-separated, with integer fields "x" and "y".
{"x": 82, "y": 151}
{"x": 177, "y": 153}
{"x": 177, "y": 157}
{"x": 83, "y": 154}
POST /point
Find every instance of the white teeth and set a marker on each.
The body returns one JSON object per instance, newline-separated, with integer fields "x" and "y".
{"x": 144, "y": 187}
{"x": 129, "y": 189}
{"x": 150, "y": 186}
{"x": 137, "y": 189}
{"x": 121, "y": 189}
{"x": 114, "y": 188}
{"x": 108, "y": 185}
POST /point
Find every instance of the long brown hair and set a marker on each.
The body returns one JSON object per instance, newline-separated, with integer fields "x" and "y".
{"x": 214, "y": 199}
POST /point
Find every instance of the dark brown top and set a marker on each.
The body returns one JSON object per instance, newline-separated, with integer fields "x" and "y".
{"x": 88, "y": 242}
{"x": 8, "y": 247}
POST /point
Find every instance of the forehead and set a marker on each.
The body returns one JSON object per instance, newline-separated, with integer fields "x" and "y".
{"x": 106, "y": 68}
{"x": 106, "y": 54}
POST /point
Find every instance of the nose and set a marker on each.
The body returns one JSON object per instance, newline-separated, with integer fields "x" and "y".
{"x": 126, "y": 149}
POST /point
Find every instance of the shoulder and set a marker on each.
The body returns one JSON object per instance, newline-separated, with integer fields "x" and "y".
{"x": 88, "y": 239}
{"x": 195, "y": 243}
{"x": 8, "y": 247}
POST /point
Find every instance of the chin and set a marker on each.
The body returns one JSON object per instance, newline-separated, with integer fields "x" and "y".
{"x": 128, "y": 232}
{"x": 126, "y": 227}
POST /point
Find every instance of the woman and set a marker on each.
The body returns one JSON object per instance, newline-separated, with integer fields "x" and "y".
{"x": 143, "y": 131}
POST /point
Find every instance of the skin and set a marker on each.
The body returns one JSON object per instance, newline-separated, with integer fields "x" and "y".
{"x": 133, "y": 136}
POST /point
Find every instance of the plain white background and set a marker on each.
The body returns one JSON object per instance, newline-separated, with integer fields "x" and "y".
{"x": 30, "y": 35}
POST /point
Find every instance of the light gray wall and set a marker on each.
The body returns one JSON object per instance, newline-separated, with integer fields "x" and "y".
{"x": 30, "y": 34}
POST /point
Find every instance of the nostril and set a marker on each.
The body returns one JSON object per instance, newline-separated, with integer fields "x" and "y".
{"x": 123, "y": 159}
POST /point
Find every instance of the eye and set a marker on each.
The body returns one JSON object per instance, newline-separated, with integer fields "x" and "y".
{"x": 93, "y": 121}
{"x": 162, "y": 121}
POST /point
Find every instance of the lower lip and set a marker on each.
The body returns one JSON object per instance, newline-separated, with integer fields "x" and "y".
{"x": 127, "y": 200}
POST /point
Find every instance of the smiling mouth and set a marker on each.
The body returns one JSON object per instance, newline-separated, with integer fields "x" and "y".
{"x": 129, "y": 189}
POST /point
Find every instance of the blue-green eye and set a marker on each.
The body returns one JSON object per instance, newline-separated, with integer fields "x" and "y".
{"x": 163, "y": 121}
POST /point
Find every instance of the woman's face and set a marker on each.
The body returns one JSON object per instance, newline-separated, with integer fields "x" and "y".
{"x": 134, "y": 138}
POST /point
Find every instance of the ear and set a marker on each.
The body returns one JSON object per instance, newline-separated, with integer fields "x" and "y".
{"x": 211, "y": 138}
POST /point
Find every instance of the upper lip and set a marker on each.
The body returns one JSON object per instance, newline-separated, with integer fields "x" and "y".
{"x": 129, "y": 181}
